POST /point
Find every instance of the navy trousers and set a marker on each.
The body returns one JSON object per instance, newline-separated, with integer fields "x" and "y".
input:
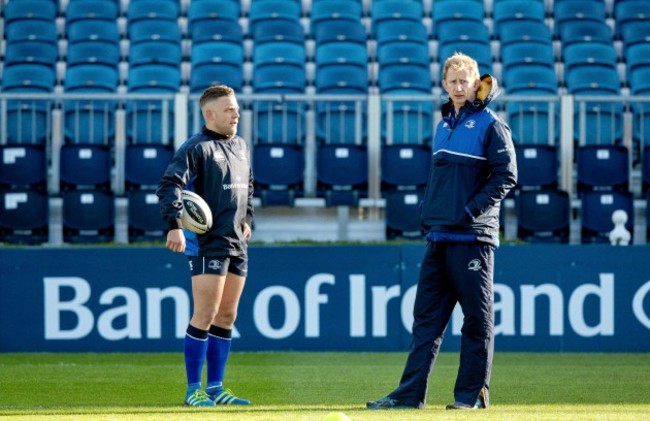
{"x": 452, "y": 273}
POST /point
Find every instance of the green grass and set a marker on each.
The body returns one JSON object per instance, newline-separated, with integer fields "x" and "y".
{"x": 307, "y": 386}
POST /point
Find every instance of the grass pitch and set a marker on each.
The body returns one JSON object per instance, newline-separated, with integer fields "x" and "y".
{"x": 308, "y": 386}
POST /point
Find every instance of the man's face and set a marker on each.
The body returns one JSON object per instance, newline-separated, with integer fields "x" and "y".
{"x": 460, "y": 86}
{"x": 222, "y": 115}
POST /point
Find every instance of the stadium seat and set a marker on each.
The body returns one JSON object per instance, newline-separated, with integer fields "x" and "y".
{"x": 32, "y": 52}
{"x": 85, "y": 167}
{"x": 637, "y": 57}
{"x": 526, "y": 54}
{"x": 403, "y": 215}
{"x": 407, "y": 76}
{"x": 24, "y": 217}
{"x": 215, "y": 12}
{"x": 93, "y": 52}
{"x": 589, "y": 54}
{"x": 88, "y": 216}
{"x": 603, "y": 167}
{"x": 91, "y": 78}
{"x": 145, "y": 222}
{"x": 91, "y": 10}
{"x": 628, "y": 13}
{"x": 145, "y": 164}
{"x": 279, "y": 78}
{"x": 455, "y": 11}
{"x": 530, "y": 121}
{"x": 273, "y": 10}
{"x": 598, "y": 122}
{"x": 466, "y": 31}
{"x": 326, "y": 10}
{"x": 92, "y": 30}
{"x": 25, "y": 30}
{"x": 585, "y": 79}
{"x": 30, "y": 10}
{"x": 154, "y": 78}
{"x": 543, "y": 216}
{"x": 278, "y": 173}
{"x": 155, "y": 52}
{"x": 342, "y": 173}
{"x": 23, "y": 166}
{"x": 540, "y": 78}
{"x": 216, "y": 62}
{"x": 278, "y": 122}
{"x": 403, "y": 53}
{"x": 279, "y": 54}
{"x": 586, "y": 31}
{"x": 404, "y": 166}
{"x": 342, "y": 53}
{"x": 401, "y": 31}
{"x": 597, "y": 209}
{"x": 412, "y": 121}
{"x": 516, "y": 11}
{"x": 391, "y": 10}
{"x": 279, "y": 31}
{"x": 537, "y": 166}
{"x": 152, "y": 9}
{"x": 154, "y": 30}
{"x": 340, "y": 31}
{"x": 635, "y": 33}
{"x": 28, "y": 77}
{"x": 215, "y": 30}
{"x": 216, "y": 74}
{"x": 524, "y": 31}
{"x": 570, "y": 12}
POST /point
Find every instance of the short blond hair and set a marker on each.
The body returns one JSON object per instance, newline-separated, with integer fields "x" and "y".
{"x": 215, "y": 92}
{"x": 460, "y": 61}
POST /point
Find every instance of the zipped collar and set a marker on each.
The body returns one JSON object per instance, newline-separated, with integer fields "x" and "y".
{"x": 214, "y": 135}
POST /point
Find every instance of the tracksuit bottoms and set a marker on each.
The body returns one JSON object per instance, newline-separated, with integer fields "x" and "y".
{"x": 452, "y": 272}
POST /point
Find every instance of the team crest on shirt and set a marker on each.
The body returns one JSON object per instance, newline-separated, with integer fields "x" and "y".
{"x": 470, "y": 124}
{"x": 214, "y": 264}
{"x": 219, "y": 156}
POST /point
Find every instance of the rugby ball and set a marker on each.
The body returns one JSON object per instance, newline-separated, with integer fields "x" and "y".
{"x": 197, "y": 216}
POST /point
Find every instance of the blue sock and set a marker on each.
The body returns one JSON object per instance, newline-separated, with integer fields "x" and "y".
{"x": 196, "y": 345}
{"x": 219, "y": 341}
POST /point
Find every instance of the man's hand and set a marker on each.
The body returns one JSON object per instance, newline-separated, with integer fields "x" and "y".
{"x": 176, "y": 240}
{"x": 247, "y": 231}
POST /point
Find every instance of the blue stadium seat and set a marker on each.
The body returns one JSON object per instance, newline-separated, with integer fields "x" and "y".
{"x": 340, "y": 31}
{"x": 341, "y": 53}
{"x": 88, "y": 216}
{"x": 28, "y": 77}
{"x": 145, "y": 222}
{"x": 639, "y": 82}
{"x": 597, "y": 209}
{"x": 154, "y": 78}
{"x": 325, "y": 10}
{"x": 155, "y": 52}
{"x": 341, "y": 79}
{"x": 526, "y": 54}
{"x": 391, "y": 10}
{"x": 603, "y": 122}
{"x": 93, "y": 52}
{"x": 584, "y": 79}
{"x": 589, "y": 54}
{"x": 401, "y": 31}
{"x": 271, "y": 10}
{"x": 32, "y": 10}
{"x": 403, "y": 215}
{"x": 278, "y": 122}
{"x": 279, "y": 31}
{"x": 516, "y": 11}
{"x": 93, "y": 30}
{"x": 24, "y": 217}
{"x": 524, "y": 31}
{"x": 91, "y": 10}
{"x": 215, "y": 30}
{"x": 407, "y": 76}
{"x": 279, "y": 78}
{"x": 637, "y": 57}
{"x": 85, "y": 167}
{"x": 465, "y": 31}
{"x": 278, "y": 173}
{"x": 603, "y": 167}
{"x": 455, "y": 11}
{"x": 91, "y": 78}
{"x": 25, "y": 30}
{"x": 630, "y": 12}
{"x": 342, "y": 173}
{"x": 635, "y": 33}
{"x": 23, "y": 166}
{"x": 145, "y": 165}
{"x": 215, "y": 63}
{"x": 403, "y": 53}
{"x": 537, "y": 166}
{"x": 154, "y": 30}
{"x": 543, "y": 216}
{"x": 530, "y": 120}
{"x": 412, "y": 121}
{"x": 586, "y": 31}
{"x": 531, "y": 77}
{"x": 570, "y": 12}
{"x": 214, "y": 12}
{"x": 279, "y": 54}
{"x": 404, "y": 166}
{"x": 32, "y": 52}
{"x": 152, "y": 9}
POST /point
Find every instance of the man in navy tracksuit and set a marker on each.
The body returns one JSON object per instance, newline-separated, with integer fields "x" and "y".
{"x": 473, "y": 168}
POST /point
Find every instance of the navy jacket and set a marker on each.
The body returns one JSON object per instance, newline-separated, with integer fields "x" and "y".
{"x": 473, "y": 168}
{"x": 218, "y": 169}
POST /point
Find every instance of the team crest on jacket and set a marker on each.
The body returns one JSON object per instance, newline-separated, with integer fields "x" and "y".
{"x": 470, "y": 124}
{"x": 219, "y": 156}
